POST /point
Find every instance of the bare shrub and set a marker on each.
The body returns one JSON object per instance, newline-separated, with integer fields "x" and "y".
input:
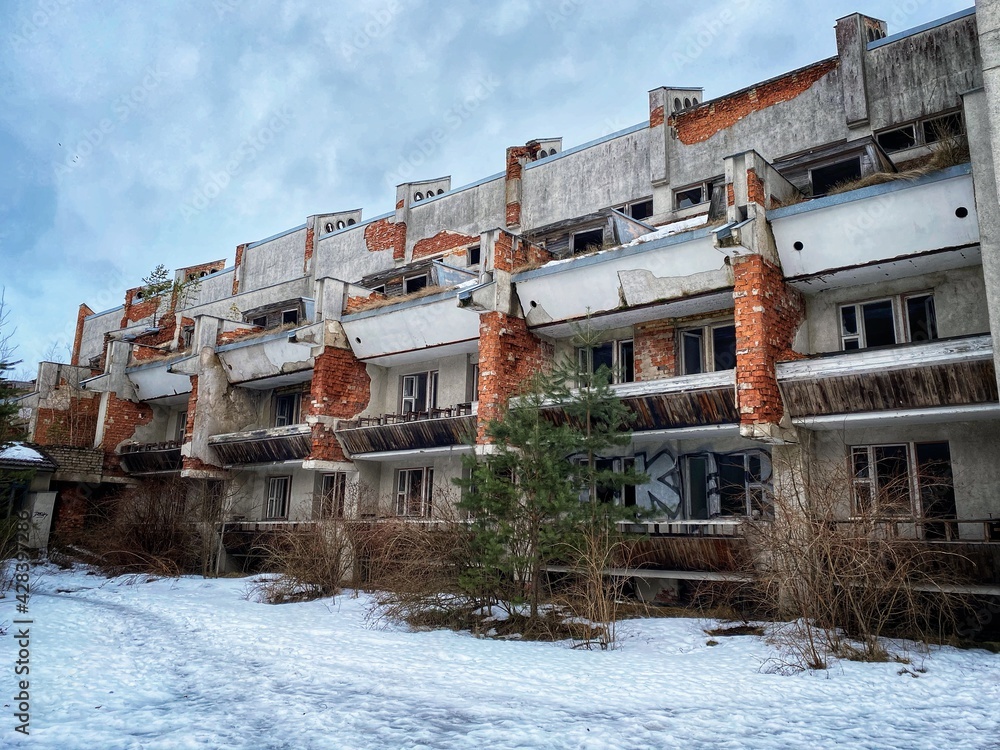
{"x": 309, "y": 562}
{"x": 846, "y": 584}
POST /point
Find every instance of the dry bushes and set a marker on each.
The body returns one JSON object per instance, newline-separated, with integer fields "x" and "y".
{"x": 306, "y": 563}
{"x": 847, "y": 585}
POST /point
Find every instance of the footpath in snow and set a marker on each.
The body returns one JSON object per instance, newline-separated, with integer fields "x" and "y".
{"x": 192, "y": 663}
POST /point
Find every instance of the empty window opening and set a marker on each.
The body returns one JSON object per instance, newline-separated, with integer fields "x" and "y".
{"x": 641, "y": 210}
{"x": 941, "y": 128}
{"x": 897, "y": 140}
{"x": 825, "y": 178}
{"x": 688, "y": 197}
{"x": 418, "y": 196}
{"x": 677, "y": 104}
{"x": 278, "y": 489}
{"x": 341, "y": 224}
{"x": 289, "y": 316}
{"x": 180, "y": 429}
{"x": 609, "y": 492}
{"x": 473, "y": 255}
{"x": 727, "y": 484}
{"x": 260, "y": 321}
{"x": 584, "y": 242}
{"x": 921, "y": 320}
{"x": 414, "y": 284}
{"x": 328, "y": 227}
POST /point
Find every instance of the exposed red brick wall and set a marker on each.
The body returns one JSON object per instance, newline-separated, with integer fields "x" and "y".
{"x": 511, "y": 252}
{"x": 310, "y": 242}
{"x": 360, "y": 303}
{"x": 228, "y": 337}
{"x": 341, "y": 389}
{"x": 240, "y": 249}
{"x": 399, "y": 204}
{"x": 196, "y": 271}
{"x": 509, "y": 354}
{"x": 656, "y": 117}
{"x": 138, "y": 310}
{"x": 755, "y": 189}
{"x": 120, "y": 422}
{"x": 516, "y": 158}
{"x": 702, "y": 122}
{"x": 441, "y": 242}
{"x": 192, "y": 407}
{"x": 75, "y": 426}
{"x": 730, "y": 194}
{"x": 385, "y": 234}
{"x": 768, "y": 313}
{"x": 655, "y": 350}
{"x": 82, "y": 313}
{"x": 146, "y": 344}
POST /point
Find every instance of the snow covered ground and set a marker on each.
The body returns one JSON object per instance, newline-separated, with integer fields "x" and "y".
{"x": 191, "y": 663}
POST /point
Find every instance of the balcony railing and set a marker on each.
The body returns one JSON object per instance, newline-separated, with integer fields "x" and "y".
{"x": 151, "y": 458}
{"x": 264, "y": 446}
{"x": 434, "y": 428}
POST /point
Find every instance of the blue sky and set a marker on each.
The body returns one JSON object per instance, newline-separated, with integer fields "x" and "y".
{"x": 133, "y": 134}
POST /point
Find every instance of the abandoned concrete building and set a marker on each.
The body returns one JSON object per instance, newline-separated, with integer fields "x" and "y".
{"x": 799, "y": 273}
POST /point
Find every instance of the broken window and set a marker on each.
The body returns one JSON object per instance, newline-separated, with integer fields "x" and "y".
{"x": 260, "y": 321}
{"x": 413, "y": 491}
{"x": 825, "y": 178}
{"x": 639, "y": 210}
{"x": 607, "y": 493}
{"x": 727, "y": 484}
{"x": 941, "y": 128}
{"x": 333, "y": 496}
{"x": 473, "y": 255}
{"x": 898, "y": 139}
{"x": 286, "y": 409}
{"x": 278, "y": 489}
{"x": 472, "y": 389}
{"x": 414, "y": 283}
{"x": 617, "y": 357}
{"x": 289, "y": 317}
{"x": 690, "y": 196}
{"x": 868, "y": 324}
{"x": 418, "y": 392}
{"x": 588, "y": 241}
{"x": 708, "y": 349}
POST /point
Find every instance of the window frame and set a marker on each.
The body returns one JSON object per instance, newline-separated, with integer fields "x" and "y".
{"x": 280, "y": 498}
{"x": 757, "y": 491}
{"x": 429, "y": 395}
{"x": 585, "y": 360}
{"x": 332, "y": 496}
{"x": 403, "y": 494}
{"x": 589, "y": 248}
{"x": 706, "y": 195}
{"x": 296, "y": 412}
{"x": 706, "y": 332}
{"x": 902, "y": 323}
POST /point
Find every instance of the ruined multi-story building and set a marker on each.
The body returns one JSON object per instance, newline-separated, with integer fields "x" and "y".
{"x": 804, "y": 272}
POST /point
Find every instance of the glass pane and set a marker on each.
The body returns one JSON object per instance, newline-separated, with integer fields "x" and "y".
{"x": 691, "y": 344}
{"x": 698, "y": 487}
{"x": 849, "y": 320}
{"x": 603, "y": 356}
{"x": 920, "y": 318}
{"x": 892, "y": 477}
{"x": 860, "y": 460}
{"x": 852, "y": 344}
{"x": 724, "y": 347}
{"x": 937, "y": 491}
{"x": 626, "y": 362}
{"x": 879, "y": 327}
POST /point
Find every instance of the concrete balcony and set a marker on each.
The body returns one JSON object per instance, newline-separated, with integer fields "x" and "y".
{"x": 156, "y": 381}
{"x": 394, "y": 435}
{"x": 895, "y": 229}
{"x": 146, "y": 459}
{"x": 272, "y": 359}
{"x": 401, "y": 332}
{"x": 659, "y": 275}
{"x": 273, "y": 445}
{"x": 931, "y": 381}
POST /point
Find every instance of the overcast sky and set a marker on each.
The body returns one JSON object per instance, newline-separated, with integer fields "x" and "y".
{"x": 139, "y": 133}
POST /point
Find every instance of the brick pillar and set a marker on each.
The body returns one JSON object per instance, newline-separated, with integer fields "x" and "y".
{"x": 240, "y": 249}
{"x": 768, "y": 313}
{"x": 341, "y": 389}
{"x": 310, "y": 243}
{"x": 509, "y": 354}
{"x": 655, "y": 350}
{"x": 511, "y": 252}
{"x": 121, "y": 419}
{"x": 81, "y": 314}
{"x": 517, "y": 156}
